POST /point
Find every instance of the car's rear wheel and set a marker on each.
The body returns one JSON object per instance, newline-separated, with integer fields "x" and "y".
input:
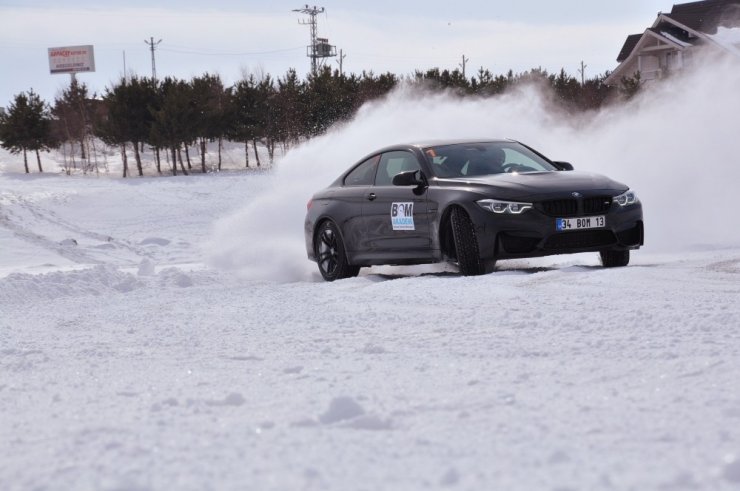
{"x": 614, "y": 258}
{"x": 330, "y": 254}
{"x": 466, "y": 244}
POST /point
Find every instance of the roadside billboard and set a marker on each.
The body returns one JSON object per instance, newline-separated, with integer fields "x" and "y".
{"x": 71, "y": 59}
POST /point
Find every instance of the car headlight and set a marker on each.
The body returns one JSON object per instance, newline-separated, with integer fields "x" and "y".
{"x": 508, "y": 207}
{"x": 626, "y": 199}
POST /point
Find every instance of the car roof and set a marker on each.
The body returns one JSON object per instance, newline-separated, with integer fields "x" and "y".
{"x": 439, "y": 143}
{"x": 442, "y": 142}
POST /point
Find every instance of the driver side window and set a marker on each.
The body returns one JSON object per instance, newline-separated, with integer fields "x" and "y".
{"x": 392, "y": 163}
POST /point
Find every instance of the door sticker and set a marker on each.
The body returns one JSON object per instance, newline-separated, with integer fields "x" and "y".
{"x": 402, "y": 216}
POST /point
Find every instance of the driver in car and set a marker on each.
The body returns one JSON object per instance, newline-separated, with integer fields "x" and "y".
{"x": 491, "y": 162}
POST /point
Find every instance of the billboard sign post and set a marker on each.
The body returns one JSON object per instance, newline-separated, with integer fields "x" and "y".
{"x": 71, "y": 59}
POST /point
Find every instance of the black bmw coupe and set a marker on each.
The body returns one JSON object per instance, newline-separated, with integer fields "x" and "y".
{"x": 469, "y": 202}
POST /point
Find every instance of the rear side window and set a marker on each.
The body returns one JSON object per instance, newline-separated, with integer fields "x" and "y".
{"x": 363, "y": 174}
{"x": 393, "y": 163}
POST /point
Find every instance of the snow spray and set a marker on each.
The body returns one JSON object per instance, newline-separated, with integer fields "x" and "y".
{"x": 675, "y": 143}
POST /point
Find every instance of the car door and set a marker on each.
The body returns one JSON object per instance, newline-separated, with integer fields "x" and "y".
{"x": 396, "y": 218}
{"x": 348, "y": 200}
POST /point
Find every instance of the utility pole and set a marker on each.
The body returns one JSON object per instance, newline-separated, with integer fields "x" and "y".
{"x": 462, "y": 65}
{"x": 342, "y": 56}
{"x": 582, "y": 71}
{"x": 152, "y": 46}
{"x": 320, "y": 47}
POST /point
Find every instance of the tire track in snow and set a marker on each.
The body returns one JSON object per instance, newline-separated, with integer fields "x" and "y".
{"x": 51, "y": 217}
{"x": 27, "y": 217}
{"x": 74, "y": 255}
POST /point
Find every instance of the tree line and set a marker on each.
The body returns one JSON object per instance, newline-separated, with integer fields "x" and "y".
{"x": 172, "y": 117}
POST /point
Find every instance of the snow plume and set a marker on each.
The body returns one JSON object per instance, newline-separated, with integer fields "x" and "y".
{"x": 675, "y": 144}
{"x": 729, "y": 38}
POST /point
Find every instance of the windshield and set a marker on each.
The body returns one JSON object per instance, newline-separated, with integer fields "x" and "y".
{"x": 480, "y": 159}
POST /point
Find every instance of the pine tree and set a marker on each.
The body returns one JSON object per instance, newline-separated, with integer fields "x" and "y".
{"x": 244, "y": 100}
{"x": 173, "y": 119}
{"x": 629, "y": 86}
{"x": 72, "y": 117}
{"x": 128, "y": 118}
{"x": 115, "y": 128}
{"x": 288, "y": 110}
{"x": 140, "y": 96}
{"x": 209, "y": 99}
{"x": 26, "y": 127}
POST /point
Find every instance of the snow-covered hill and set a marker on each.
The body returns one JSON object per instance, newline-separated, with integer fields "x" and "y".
{"x": 127, "y": 364}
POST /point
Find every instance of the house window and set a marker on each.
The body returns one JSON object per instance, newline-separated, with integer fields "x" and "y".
{"x": 649, "y": 66}
{"x": 674, "y": 60}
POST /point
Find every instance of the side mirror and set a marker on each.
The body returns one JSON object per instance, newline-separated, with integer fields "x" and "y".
{"x": 409, "y": 178}
{"x": 563, "y": 165}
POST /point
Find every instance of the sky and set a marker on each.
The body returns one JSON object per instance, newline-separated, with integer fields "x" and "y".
{"x": 234, "y": 38}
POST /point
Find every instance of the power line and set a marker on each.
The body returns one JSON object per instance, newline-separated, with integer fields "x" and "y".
{"x": 342, "y": 56}
{"x": 462, "y": 65}
{"x": 410, "y": 57}
{"x": 185, "y": 50}
{"x": 152, "y": 45}
{"x": 582, "y": 71}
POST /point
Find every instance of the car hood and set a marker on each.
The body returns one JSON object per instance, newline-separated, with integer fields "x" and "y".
{"x": 540, "y": 184}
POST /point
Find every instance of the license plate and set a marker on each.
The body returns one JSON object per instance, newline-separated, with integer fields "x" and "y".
{"x": 579, "y": 223}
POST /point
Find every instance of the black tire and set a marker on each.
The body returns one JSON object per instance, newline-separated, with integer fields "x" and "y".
{"x": 466, "y": 244}
{"x": 330, "y": 254}
{"x": 615, "y": 259}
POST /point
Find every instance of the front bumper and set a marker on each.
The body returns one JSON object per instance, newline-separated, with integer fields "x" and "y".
{"x": 534, "y": 233}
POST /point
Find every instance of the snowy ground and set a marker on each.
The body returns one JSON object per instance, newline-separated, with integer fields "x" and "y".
{"x": 168, "y": 332}
{"x": 128, "y": 364}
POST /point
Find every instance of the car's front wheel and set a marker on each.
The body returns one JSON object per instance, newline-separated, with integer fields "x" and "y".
{"x": 615, "y": 259}
{"x": 330, "y": 254}
{"x": 466, "y": 244}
